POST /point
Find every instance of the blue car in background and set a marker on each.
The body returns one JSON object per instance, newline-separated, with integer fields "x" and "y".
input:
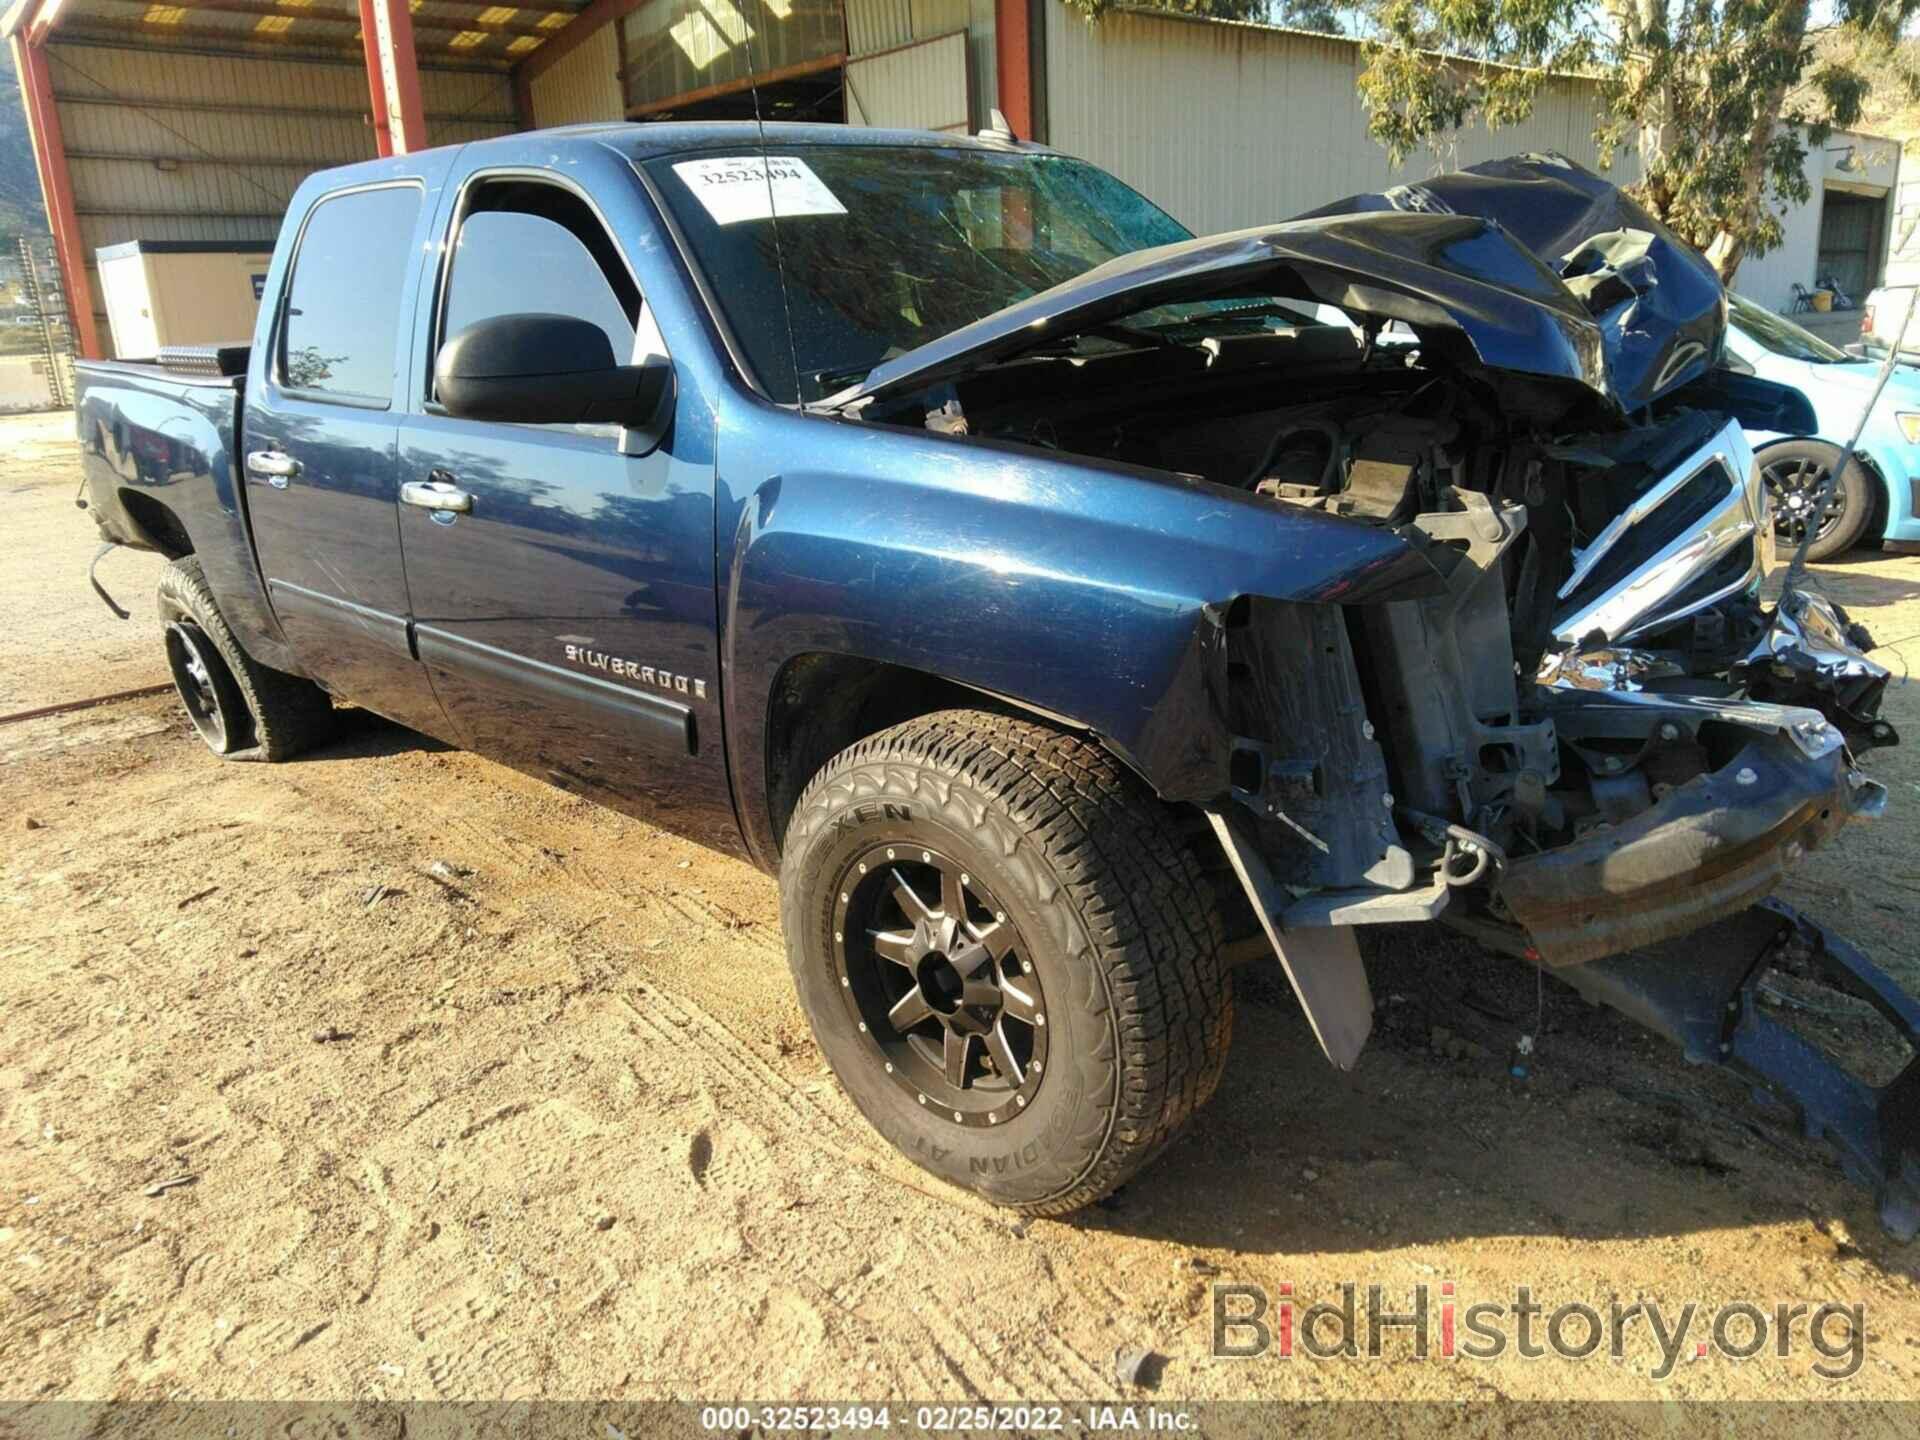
{"x": 1879, "y": 496}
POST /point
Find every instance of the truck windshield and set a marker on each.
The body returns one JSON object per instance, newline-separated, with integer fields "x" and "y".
{"x": 888, "y": 247}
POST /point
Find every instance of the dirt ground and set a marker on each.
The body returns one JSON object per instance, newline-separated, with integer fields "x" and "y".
{"x": 284, "y": 1114}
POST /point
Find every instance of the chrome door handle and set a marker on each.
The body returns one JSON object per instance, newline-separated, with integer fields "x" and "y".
{"x": 436, "y": 495}
{"x": 272, "y": 466}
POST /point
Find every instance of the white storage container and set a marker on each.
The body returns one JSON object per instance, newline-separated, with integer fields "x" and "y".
{"x": 181, "y": 292}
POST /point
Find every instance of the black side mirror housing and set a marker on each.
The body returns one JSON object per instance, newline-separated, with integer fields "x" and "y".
{"x": 546, "y": 370}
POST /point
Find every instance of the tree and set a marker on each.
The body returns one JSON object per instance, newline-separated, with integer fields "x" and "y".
{"x": 19, "y": 182}
{"x": 1720, "y": 98}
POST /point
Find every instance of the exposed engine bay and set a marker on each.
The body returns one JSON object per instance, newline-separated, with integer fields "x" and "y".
{"x": 1603, "y": 598}
{"x": 1592, "y": 565}
{"x": 1600, "y": 645}
{"x": 1586, "y": 734}
{"x": 1596, "y": 741}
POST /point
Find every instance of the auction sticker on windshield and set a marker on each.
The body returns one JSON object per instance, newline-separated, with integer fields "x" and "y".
{"x": 736, "y": 188}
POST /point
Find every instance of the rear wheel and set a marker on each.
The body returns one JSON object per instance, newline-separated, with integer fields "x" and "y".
{"x": 1793, "y": 474}
{"x": 242, "y": 709}
{"x": 1009, "y": 952}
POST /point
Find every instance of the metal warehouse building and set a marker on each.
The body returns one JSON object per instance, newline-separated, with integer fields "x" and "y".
{"x": 195, "y": 121}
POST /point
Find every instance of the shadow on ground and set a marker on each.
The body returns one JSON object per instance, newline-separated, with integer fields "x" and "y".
{"x": 1431, "y": 1140}
{"x": 364, "y": 735}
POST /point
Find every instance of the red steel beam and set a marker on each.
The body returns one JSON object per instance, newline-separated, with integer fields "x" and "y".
{"x": 370, "y": 45}
{"x": 50, "y": 159}
{"x": 1013, "y": 61}
{"x": 42, "y": 23}
{"x": 393, "y": 74}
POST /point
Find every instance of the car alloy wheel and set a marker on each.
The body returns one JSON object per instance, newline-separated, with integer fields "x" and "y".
{"x": 938, "y": 981}
{"x": 1793, "y": 490}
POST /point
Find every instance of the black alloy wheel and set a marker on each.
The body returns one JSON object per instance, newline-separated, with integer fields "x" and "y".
{"x": 1793, "y": 490}
{"x": 207, "y": 689}
{"x": 1793, "y": 472}
{"x": 1009, "y": 953}
{"x": 938, "y": 981}
{"x": 242, "y": 709}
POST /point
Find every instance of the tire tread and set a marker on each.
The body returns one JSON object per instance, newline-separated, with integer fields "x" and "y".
{"x": 1130, "y": 866}
{"x": 290, "y": 714}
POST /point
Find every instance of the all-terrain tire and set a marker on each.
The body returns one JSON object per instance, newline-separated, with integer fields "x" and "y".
{"x": 1116, "y": 919}
{"x": 268, "y": 714}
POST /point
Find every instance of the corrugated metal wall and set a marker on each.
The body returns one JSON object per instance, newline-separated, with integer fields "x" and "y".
{"x": 921, "y": 86}
{"x": 874, "y": 25}
{"x": 1770, "y": 278}
{"x": 1226, "y": 126}
{"x": 584, "y": 85}
{"x": 677, "y": 47}
{"x": 166, "y": 144}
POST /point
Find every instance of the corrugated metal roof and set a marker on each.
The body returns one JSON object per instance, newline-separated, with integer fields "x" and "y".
{"x": 445, "y": 32}
{"x": 168, "y": 143}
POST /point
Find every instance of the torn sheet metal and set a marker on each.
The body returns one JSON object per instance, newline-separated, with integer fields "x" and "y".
{"x": 1812, "y": 653}
{"x": 1606, "y": 668}
{"x": 1657, "y": 302}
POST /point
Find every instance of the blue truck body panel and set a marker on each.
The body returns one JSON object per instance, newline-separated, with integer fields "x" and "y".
{"x": 618, "y": 624}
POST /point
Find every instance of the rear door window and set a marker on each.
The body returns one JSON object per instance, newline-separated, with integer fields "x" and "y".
{"x": 341, "y": 326}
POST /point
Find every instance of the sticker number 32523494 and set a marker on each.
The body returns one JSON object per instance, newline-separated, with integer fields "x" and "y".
{"x": 749, "y": 187}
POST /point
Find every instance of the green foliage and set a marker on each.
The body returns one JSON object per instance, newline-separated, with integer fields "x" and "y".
{"x": 1721, "y": 99}
{"x": 20, "y": 207}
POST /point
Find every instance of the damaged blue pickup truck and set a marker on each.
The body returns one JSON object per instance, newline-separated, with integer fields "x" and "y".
{"x": 1064, "y": 607}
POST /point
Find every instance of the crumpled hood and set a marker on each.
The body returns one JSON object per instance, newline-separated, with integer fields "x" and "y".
{"x": 1630, "y": 313}
{"x": 1659, "y": 305}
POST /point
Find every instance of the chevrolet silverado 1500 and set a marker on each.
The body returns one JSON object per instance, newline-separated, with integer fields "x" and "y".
{"x": 1059, "y": 604}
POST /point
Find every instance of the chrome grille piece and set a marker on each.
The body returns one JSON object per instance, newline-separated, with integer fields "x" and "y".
{"x": 1695, "y": 537}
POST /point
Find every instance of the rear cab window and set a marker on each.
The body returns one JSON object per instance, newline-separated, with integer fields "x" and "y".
{"x": 340, "y": 326}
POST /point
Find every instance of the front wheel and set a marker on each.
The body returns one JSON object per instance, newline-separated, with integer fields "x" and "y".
{"x": 1793, "y": 474}
{"x": 1009, "y": 952}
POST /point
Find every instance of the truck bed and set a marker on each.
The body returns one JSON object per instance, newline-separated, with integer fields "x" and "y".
{"x": 160, "y": 460}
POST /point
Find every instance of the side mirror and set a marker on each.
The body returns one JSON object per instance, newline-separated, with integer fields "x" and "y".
{"x": 547, "y": 370}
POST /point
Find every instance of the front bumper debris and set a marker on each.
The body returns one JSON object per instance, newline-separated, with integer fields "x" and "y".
{"x": 1712, "y": 847}
{"x": 1701, "y": 992}
{"x": 1812, "y": 653}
